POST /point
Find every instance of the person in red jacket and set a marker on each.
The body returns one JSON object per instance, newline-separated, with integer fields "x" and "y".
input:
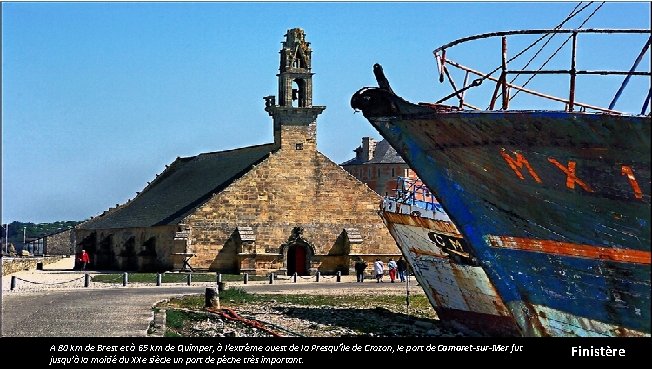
{"x": 84, "y": 259}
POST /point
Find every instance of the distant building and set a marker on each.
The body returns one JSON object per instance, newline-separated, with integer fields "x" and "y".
{"x": 378, "y": 165}
{"x": 281, "y": 207}
{"x": 56, "y": 243}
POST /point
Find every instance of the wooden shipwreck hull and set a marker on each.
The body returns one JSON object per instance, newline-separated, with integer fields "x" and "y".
{"x": 552, "y": 207}
{"x": 447, "y": 269}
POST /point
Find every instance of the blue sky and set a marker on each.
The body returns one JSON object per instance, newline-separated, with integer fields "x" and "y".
{"x": 98, "y": 97}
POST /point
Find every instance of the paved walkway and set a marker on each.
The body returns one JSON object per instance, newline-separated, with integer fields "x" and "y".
{"x": 107, "y": 312}
{"x": 54, "y": 302}
{"x": 61, "y": 276}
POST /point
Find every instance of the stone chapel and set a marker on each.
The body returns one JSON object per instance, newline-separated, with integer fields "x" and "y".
{"x": 281, "y": 207}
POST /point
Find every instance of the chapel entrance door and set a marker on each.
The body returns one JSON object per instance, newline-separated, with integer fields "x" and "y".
{"x": 297, "y": 261}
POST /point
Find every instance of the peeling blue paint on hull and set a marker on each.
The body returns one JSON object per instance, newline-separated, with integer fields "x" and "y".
{"x": 554, "y": 205}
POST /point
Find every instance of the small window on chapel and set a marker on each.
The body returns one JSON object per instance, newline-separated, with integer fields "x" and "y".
{"x": 299, "y": 146}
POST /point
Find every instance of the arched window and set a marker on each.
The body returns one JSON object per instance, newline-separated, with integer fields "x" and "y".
{"x": 299, "y": 93}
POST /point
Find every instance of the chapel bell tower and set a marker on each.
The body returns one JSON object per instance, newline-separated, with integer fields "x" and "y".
{"x": 295, "y": 117}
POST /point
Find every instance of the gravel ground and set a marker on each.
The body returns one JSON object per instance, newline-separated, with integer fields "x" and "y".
{"x": 293, "y": 320}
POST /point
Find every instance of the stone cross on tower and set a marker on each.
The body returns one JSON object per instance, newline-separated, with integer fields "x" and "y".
{"x": 294, "y": 107}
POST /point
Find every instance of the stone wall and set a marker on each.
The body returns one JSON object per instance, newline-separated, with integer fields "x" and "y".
{"x": 142, "y": 249}
{"x": 13, "y": 265}
{"x": 61, "y": 243}
{"x": 292, "y": 189}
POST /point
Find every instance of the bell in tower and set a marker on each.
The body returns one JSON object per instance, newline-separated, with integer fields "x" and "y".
{"x": 294, "y": 86}
{"x": 295, "y": 78}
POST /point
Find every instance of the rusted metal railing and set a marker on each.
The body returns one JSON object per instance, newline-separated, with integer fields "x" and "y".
{"x": 503, "y": 87}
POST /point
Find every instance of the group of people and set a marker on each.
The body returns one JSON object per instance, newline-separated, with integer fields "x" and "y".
{"x": 395, "y": 269}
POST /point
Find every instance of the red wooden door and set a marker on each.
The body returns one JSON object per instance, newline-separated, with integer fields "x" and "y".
{"x": 300, "y": 259}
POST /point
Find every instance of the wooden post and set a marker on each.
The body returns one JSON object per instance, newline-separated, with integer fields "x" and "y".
{"x": 212, "y": 299}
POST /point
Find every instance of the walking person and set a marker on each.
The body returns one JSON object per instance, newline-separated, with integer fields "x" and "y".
{"x": 401, "y": 266}
{"x": 360, "y": 266}
{"x": 391, "y": 264}
{"x": 379, "y": 269}
{"x": 84, "y": 259}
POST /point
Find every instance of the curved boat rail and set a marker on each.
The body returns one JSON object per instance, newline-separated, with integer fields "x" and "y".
{"x": 503, "y": 87}
{"x": 412, "y": 191}
{"x": 412, "y": 197}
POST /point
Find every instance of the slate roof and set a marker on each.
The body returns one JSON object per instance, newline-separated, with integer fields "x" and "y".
{"x": 182, "y": 187}
{"x": 384, "y": 153}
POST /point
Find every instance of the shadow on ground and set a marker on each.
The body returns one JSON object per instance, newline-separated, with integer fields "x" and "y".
{"x": 378, "y": 322}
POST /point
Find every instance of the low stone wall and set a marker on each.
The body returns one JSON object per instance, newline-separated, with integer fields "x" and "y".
{"x": 13, "y": 265}
{"x": 60, "y": 243}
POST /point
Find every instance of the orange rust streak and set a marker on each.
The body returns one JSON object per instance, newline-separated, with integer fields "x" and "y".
{"x": 436, "y": 225}
{"x": 425, "y": 252}
{"x": 518, "y": 164}
{"x": 571, "y": 249}
{"x": 626, "y": 170}
{"x": 571, "y": 179}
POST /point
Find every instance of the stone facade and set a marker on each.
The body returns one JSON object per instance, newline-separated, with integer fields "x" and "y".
{"x": 282, "y": 207}
{"x": 142, "y": 249}
{"x": 297, "y": 202}
{"x": 294, "y": 191}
